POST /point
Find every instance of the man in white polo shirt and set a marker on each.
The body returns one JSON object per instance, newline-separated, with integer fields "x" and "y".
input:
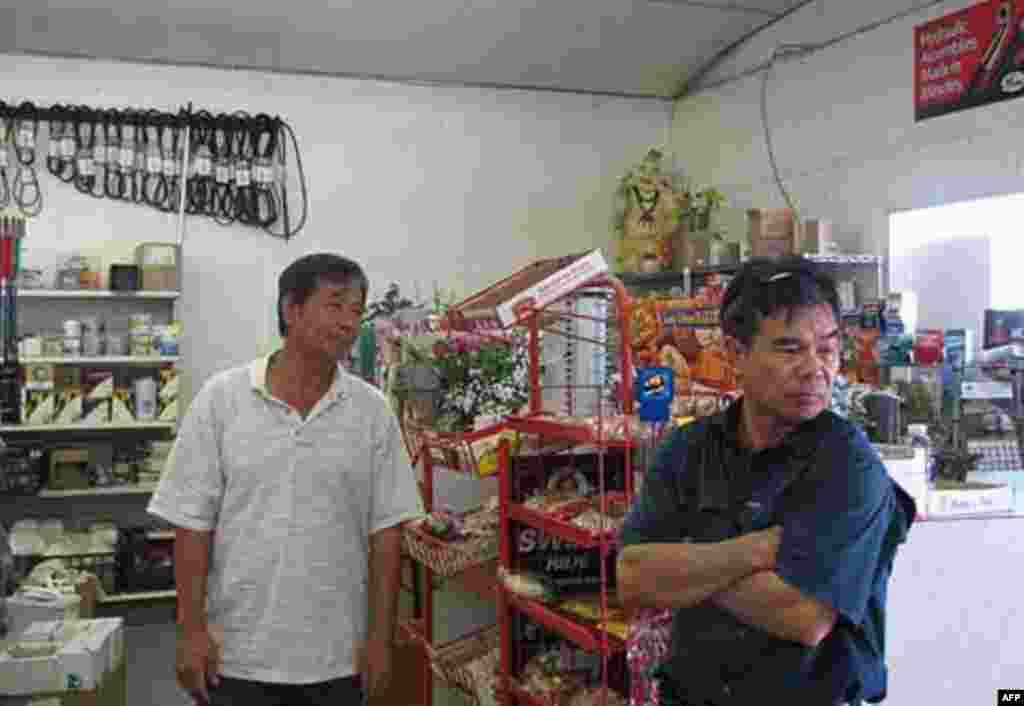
{"x": 288, "y": 484}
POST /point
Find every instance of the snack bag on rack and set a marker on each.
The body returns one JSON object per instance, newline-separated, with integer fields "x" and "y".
{"x": 650, "y": 633}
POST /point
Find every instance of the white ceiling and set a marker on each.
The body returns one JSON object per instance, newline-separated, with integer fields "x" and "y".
{"x": 628, "y": 47}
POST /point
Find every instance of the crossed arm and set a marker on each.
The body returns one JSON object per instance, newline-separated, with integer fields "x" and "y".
{"x": 736, "y": 574}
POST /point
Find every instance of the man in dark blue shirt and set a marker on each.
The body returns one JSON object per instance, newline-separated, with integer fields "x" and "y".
{"x": 770, "y": 528}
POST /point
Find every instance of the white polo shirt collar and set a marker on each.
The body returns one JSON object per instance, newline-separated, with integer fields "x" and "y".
{"x": 258, "y": 380}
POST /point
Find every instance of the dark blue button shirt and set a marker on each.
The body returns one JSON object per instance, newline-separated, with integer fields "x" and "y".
{"x": 837, "y": 547}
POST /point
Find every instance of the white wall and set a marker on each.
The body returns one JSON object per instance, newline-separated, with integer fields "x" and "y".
{"x": 843, "y": 127}
{"x": 456, "y": 186}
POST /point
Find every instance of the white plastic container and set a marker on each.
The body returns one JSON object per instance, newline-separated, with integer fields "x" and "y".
{"x": 145, "y": 399}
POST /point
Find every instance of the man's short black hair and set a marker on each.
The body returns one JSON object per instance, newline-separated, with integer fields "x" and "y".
{"x": 301, "y": 278}
{"x": 763, "y": 288}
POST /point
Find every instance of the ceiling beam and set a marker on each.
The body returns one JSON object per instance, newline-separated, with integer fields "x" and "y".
{"x": 723, "y": 6}
{"x": 693, "y": 83}
{"x": 345, "y": 75}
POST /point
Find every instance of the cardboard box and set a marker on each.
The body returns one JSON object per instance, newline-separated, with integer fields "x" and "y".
{"x": 159, "y": 265}
{"x": 772, "y": 232}
{"x": 815, "y": 237}
{"x": 69, "y": 469}
{"x": 25, "y": 608}
{"x": 694, "y": 251}
{"x": 83, "y": 665}
{"x": 908, "y": 466}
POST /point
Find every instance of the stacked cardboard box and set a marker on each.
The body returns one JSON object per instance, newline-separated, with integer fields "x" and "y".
{"x": 775, "y": 233}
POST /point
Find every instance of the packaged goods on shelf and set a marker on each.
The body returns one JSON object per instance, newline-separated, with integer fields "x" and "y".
{"x": 97, "y": 393}
{"x": 122, "y": 406}
{"x": 167, "y": 394}
{"x": 529, "y": 585}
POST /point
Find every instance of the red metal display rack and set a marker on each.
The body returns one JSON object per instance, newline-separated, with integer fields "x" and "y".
{"x": 611, "y": 429}
{"x": 575, "y": 401}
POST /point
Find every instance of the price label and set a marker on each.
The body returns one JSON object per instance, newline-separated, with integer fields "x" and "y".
{"x": 154, "y": 164}
{"x": 171, "y": 167}
{"x": 203, "y": 166}
{"x": 127, "y": 157}
{"x": 223, "y": 173}
{"x": 53, "y": 149}
{"x": 986, "y": 390}
{"x": 99, "y": 154}
{"x": 68, "y": 147}
{"x": 113, "y": 153}
{"x": 85, "y": 165}
{"x": 243, "y": 174}
{"x": 26, "y": 139}
{"x": 264, "y": 173}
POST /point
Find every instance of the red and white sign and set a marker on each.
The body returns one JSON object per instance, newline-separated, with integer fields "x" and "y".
{"x": 969, "y": 58}
{"x": 552, "y": 288}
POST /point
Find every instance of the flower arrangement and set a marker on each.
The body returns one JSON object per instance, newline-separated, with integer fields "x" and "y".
{"x": 476, "y": 376}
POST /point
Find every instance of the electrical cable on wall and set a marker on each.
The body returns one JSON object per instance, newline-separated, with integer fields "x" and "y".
{"x": 240, "y": 167}
{"x": 802, "y": 50}
{"x": 779, "y": 51}
{"x": 696, "y": 86}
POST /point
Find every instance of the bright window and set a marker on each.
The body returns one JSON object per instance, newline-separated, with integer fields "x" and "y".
{"x": 961, "y": 259}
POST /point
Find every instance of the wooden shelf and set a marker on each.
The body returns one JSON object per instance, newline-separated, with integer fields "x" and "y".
{"x": 140, "y": 489}
{"x": 45, "y": 428}
{"x": 97, "y": 294}
{"x": 138, "y": 597}
{"x": 101, "y": 360}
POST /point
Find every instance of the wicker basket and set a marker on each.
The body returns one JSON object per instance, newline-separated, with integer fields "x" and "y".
{"x": 446, "y": 558}
{"x": 471, "y": 452}
{"x": 450, "y": 661}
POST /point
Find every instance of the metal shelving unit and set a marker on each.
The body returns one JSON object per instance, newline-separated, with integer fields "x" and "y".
{"x": 47, "y": 429}
{"x": 658, "y": 280}
{"x": 139, "y": 489}
{"x": 140, "y": 597}
{"x": 101, "y": 360}
{"x": 152, "y": 295}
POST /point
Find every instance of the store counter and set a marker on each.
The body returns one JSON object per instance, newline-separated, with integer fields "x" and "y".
{"x": 955, "y": 629}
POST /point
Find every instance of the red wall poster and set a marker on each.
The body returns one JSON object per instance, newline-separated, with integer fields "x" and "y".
{"x": 969, "y": 58}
